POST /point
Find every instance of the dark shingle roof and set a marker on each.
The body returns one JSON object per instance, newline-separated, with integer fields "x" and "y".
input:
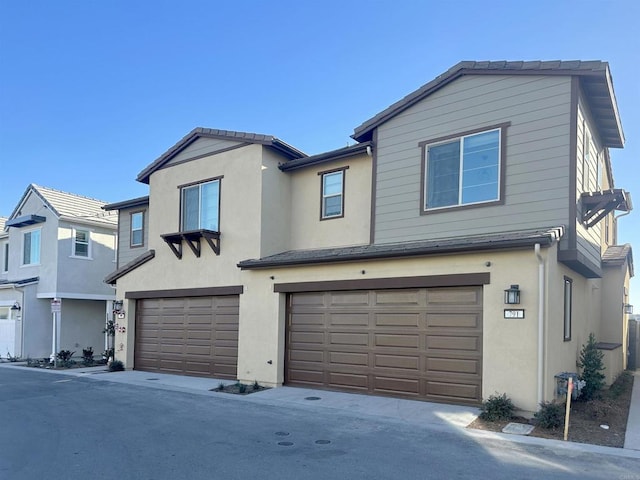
{"x": 134, "y": 202}
{"x": 22, "y": 282}
{"x": 519, "y": 239}
{"x": 596, "y": 82}
{"x": 268, "y": 140}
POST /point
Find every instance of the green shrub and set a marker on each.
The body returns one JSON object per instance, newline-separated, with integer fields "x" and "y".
{"x": 116, "y": 366}
{"x": 592, "y": 367}
{"x": 497, "y": 407}
{"x": 550, "y": 415}
{"x": 242, "y": 388}
{"x": 87, "y": 356}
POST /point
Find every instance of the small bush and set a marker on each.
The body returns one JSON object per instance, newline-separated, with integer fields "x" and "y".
{"x": 550, "y": 415}
{"x": 497, "y": 407}
{"x": 592, "y": 367}
{"x": 256, "y": 385}
{"x": 65, "y": 358}
{"x": 87, "y": 356}
{"x": 116, "y": 366}
{"x": 242, "y": 388}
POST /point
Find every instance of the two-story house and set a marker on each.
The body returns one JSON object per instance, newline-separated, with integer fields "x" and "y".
{"x": 55, "y": 245}
{"x": 465, "y": 245}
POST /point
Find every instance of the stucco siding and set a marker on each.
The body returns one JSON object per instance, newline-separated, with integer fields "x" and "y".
{"x": 274, "y": 202}
{"x": 202, "y": 146}
{"x": 81, "y": 325}
{"x": 537, "y": 157}
{"x": 307, "y": 229}
{"x": 81, "y": 276}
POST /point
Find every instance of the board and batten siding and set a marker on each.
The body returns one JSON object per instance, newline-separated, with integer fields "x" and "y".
{"x": 202, "y": 146}
{"x": 589, "y": 241}
{"x": 537, "y": 158}
{"x": 126, "y": 252}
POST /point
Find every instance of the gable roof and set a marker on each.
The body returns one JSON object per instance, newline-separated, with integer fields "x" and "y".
{"x": 3, "y": 220}
{"x": 134, "y": 202}
{"x": 199, "y": 132}
{"x": 69, "y": 206}
{"x": 595, "y": 77}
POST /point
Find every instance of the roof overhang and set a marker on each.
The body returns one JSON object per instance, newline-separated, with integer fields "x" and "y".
{"x": 134, "y": 202}
{"x": 25, "y": 221}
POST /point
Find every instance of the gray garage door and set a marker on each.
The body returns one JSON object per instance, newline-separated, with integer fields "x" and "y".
{"x": 416, "y": 343}
{"x": 188, "y": 336}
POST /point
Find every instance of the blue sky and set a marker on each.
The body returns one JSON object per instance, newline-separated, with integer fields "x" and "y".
{"x": 92, "y": 91}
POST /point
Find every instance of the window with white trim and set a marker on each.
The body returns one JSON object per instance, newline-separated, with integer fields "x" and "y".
{"x": 201, "y": 206}
{"x": 137, "y": 229}
{"x": 31, "y": 247}
{"x": 332, "y": 194}
{"x": 463, "y": 170}
{"x": 81, "y": 243}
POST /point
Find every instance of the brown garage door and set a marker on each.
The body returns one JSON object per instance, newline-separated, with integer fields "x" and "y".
{"x": 417, "y": 343}
{"x": 188, "y": 336}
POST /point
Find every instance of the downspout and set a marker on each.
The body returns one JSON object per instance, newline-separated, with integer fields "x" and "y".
{"x": 541, "y": 302}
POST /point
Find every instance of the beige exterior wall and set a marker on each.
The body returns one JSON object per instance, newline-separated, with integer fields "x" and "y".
{"x": 509, "y": 346}
{"x": 307, "y": 230}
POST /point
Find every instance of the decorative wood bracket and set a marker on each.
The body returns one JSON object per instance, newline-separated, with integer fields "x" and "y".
{"x": 596, "y": 205}
{"x": 192, "y": 239}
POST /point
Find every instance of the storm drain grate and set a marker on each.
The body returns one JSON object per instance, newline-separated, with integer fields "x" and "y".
{"x": 285, "y": 444}
{"x": 282, "y": 434}
{"x": 151, "y": 379}
{"x": 323, "y": 442}
{"x": 312, "y": 398}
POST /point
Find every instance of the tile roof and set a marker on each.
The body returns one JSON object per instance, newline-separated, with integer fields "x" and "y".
{"x": 70, "y": 206}
{"x": 268, "y": 140}
{"x": 596, "y": 81}
{"x": 617, "y": 255}
{"x": 325, "y": 157}
{"x": 3, "y": 220}
{"x": 518, "y": 239}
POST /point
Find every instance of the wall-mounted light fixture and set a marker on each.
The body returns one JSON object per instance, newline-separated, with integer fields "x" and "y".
{"x": 512, "y": 295}
{"x": 16, "y": 307}
{"x": 117, "y": 305}
{"x": 628, "y": 309}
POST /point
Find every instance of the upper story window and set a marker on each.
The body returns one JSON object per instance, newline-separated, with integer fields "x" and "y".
{"x": 81, "y": 243}
{"x": 31, "y": 247}
{"x": 332, "y": 194}
{"x": 463, "y": 169}
{"x": 137, "y": 229}
{"x": 5, "y": 257}
{"x": 201, "y": 206}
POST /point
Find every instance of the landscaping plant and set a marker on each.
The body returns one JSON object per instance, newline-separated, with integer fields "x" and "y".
{"x": 497, "y": 407}
{"x": 550, "y": 415}
{"x": 116, "y": 366}
{"x": 590, "y": 363}
{"x": 87, "y": 356}
{"x": 65, "y": 358}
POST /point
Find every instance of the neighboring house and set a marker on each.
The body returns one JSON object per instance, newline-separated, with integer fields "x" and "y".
{"x": 55, "y": 245}
{"x": 466, "y": 245}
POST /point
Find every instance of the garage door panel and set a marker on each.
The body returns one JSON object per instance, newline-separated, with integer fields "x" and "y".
{"x": 397, "y": 319}
{"x": 454, "y": 296}
{"x": 408, "y": 362}
{"x": 453, "y": 365}
{"x": 396, "y": 385}
{"x": 352, "y": 380}
{"x": 192, "y": 336}
{"x": 361, "y": 339}
{"x": 448, "y": 342}
{"x": 357, "y": 298}
{"x": 417, "y": 343}
{"x": 399, "y": 298}
{"x": 349, "y": 319}
{"x": 401, "y": 341}
{"x": 345, "y": 358}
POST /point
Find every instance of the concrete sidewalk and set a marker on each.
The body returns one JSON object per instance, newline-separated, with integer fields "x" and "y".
{"x": 421, "y": 414}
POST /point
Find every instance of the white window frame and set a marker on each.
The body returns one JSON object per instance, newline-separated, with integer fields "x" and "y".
{"x": 325, "y": 197}
{"x": 141, "y": 229}
{"x": 74, "y": 231}
{"x": 39, "y": 252}
{"x": 185, "y": 188}
{"x": 460, "y": 138}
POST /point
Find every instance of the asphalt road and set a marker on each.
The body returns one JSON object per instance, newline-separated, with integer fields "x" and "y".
{"x": 60, "y": 427}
